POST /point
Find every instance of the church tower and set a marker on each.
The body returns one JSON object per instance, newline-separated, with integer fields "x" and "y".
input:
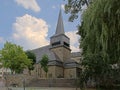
{"x": 60, "y": 43}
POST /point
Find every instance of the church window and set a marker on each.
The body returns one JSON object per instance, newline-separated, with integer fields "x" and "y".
{"x": 56, "y": 43}
{"x": 66, "y": 44}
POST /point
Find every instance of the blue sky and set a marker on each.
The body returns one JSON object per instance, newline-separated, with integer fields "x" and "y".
{"x": 30, "y": 23}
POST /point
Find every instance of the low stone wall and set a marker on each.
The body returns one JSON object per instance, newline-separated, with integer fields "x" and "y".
{"x": 30, "y": 81}
{"x": 58, "y": 82}
{"x": 18, "y": 80}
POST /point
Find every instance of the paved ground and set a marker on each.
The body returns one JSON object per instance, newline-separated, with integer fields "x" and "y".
{"x": 39, "y": 89}
{"x": 42, "y": 88}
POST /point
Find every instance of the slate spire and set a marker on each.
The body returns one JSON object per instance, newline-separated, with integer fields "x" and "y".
{"x": 60, "y": 26}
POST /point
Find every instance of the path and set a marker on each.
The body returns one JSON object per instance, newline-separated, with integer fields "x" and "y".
{"x": 43, "y": 88}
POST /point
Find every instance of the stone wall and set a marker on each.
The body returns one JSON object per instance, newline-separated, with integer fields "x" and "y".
{"x": 58, "y": 82}
{"x": 55, "y": 72}
{"x": 18, "y": 80}
{"x": 62, "y": 52}
{"x": 70, "y": 73}
{"x": 51, "y": 72}
{"x": 59, "y": 72}
{"x": 21, "y": 80}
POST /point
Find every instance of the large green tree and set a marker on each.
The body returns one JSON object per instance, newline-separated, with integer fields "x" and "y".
{"x": 13, "y": 57}
{"x": 32, "y": 57}
{"x": 100, "y": 42}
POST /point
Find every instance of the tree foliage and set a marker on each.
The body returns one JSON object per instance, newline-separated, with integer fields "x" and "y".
{"x": 100, "y": 42}
{"x": 74, "y": 7}
{"x": 32, "y": 57}
{"x": 44, "y": 63}
{"x": 13, "y": 57}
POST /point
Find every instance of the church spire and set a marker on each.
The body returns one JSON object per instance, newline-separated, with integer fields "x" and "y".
{"x": 60, "y": 26}
{"x": 59, "y": 38}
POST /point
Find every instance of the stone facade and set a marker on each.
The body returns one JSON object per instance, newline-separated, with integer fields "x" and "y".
{"x": 62, "y": 52}
{"x": 70, "y": 73}
{"x": 55, "y": 72}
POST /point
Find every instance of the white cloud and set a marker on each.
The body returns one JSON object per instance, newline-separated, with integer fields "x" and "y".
{"x": 74, "y": 40}
{"x": 63, "y": 7}
{"x": 30, "y": 32}
{"x": 29, "y": 4}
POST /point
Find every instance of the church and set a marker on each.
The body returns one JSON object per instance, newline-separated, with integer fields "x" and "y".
{"x": 62, "y": 62}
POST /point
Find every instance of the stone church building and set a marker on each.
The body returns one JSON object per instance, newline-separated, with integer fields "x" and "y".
{"x": 62, "y": 63}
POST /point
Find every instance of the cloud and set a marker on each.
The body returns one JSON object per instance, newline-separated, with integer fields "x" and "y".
{"x": 63, "y": 7}
{"x": 30, "y": 32}
{"x": 29, "y": 4}
{"x": 74, "y": 40}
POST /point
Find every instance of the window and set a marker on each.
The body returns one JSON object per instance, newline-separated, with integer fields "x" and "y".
{"x": 66, "y": 44}
{"x": 56, "y": 43}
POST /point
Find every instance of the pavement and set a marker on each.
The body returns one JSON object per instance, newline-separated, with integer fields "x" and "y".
{"x": 40, "y": 88}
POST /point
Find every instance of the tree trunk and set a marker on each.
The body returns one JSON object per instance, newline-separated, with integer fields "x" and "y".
{"x": 46, "y": 75}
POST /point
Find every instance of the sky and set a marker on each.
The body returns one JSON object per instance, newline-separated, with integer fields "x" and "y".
{"x": 31, "y": 23}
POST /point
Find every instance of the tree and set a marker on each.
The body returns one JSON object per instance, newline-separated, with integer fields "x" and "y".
{"x": 100, "y": 42}
{"x": 44, "y": 62}
{"x": 32, "y": 57}
{"x": 14, "y": 58}
{"x": 74, "y": 7}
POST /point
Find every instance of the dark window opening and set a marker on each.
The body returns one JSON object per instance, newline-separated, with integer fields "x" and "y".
{"x": 78, "y": 71}
{"x": 56, "y": 43}
{"x": 66, "y": 44}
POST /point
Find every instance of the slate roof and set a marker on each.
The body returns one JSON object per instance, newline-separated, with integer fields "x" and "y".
{"x": 75, "y": 54}
{"x": 60, "y": 26}
{"x": 70, "y": 63}
{"x": 55, "y": 62}
{"x": 53, "y": 58}
{"x": 39, "y": 52}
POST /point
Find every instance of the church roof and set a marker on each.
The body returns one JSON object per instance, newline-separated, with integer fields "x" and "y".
{"x": 70, "y": 63}
{"x": 60, "y": 26}
{"x": 39, "y": 52}
{"x": 55, "y": 62}
{"x": 75, "y": 54}
{"x": 53, "y": 58}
